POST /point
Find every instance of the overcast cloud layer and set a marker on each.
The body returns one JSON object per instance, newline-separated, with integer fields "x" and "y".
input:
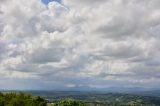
{"x": 81, "y": 44}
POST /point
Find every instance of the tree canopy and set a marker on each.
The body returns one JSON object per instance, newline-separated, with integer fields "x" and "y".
{"x": 70, "y": 102}
{"x": 21, "y": 99}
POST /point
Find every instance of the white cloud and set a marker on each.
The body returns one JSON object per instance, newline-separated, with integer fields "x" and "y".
{"x": 80, "y": 43}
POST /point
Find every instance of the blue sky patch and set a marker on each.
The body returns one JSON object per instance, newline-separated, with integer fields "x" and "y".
{"x": 47, "y": 1}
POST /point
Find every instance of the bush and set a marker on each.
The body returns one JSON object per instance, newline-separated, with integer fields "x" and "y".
{"x": 21, "y": 99}
{"x": 70, "y": 102}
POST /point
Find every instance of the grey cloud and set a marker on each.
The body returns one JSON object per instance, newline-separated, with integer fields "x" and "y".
{"x": 145, "y": 72}
{"x": 122, "y": 51}
{"x": 3, "y": 50}
{"x": 129, "y": 22}
{"x": 117, "y": 29}
{"x": 87, "y": 2}
{"x": 47, "y": 55}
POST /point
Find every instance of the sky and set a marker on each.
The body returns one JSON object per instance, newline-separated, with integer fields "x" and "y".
{"x": 79, "y": 44}
{"x": 46, "y": 2}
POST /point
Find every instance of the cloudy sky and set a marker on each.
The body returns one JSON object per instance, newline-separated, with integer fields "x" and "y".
{"x": 79, "y": 44}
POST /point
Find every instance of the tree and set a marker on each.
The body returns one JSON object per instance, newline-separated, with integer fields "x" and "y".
{"x": 70, "y": 102}
{"x": 21, "y": 99}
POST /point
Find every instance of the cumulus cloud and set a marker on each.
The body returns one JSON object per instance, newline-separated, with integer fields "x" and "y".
{"x": 81, "y": 44}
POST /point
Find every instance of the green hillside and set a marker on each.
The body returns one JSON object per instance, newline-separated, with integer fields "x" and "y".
{"x": 21, "y": 99}
{"x": 77, "y": 99}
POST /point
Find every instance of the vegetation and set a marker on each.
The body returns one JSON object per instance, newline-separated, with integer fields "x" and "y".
{"x": 108, "y": 99}
{"x": 77, "y": 99}
{"x": 70, "y": 102}
{"x": 21, "y": 99}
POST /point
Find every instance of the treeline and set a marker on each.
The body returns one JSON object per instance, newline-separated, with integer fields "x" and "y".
{"x": 70, "y": 102}
{"x": 21, "y": 99}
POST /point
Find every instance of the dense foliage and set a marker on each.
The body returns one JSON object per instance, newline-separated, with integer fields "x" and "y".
{"x": 21, "y": 99}
{"x": 102, "y": 99}
{"x": 70, "y": 102}
{"x": 77, "y": 99}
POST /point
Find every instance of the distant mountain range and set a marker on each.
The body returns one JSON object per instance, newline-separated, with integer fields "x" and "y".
{"x": 123, "y": 90}
{"x": 148, "y": 93}
{"x": 133, "y": 91}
